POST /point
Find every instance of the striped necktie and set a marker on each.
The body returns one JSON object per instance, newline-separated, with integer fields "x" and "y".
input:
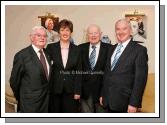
{"x": 92, "y": 57}
{"x": 116, "y": 57}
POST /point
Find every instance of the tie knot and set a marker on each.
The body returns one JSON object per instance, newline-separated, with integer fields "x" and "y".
{"x": 93, "y": 47}
{"x": 120, "y": 46}
{"x": 40, "y": 51}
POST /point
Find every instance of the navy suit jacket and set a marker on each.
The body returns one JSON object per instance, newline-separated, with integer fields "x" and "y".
{"x": 92, "y": 80}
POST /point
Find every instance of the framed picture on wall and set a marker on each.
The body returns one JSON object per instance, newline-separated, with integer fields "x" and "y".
{"x": 138, "y": 24}
{"x": 82, "y": 17}
{"x": 49, "y": 15}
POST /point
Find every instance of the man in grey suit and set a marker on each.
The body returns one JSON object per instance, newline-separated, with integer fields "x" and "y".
{"x": 126, "y": 72}
{"x": 30, "y": 75}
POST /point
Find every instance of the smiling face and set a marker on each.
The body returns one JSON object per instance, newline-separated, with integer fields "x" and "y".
{"x": 65, "y": 34}
{"x": 38, "y": 38}
{"x": 93, "y": 34}
{"x": 123, "y": 30}
{"x": 65, "y": 29}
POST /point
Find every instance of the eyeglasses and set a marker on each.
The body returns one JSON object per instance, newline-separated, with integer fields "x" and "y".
{"x": 39, "y": 35}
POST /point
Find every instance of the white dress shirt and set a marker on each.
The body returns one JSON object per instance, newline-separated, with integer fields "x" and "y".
{"x": 64, "y": 55}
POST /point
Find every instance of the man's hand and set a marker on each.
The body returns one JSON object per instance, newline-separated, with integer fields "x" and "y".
{"x": 132, "y": 109}
{"x": 76, "y": 97}
{"x": 101, "y": 101}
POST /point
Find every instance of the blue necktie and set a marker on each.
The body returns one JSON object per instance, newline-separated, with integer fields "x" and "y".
{"x": 92, "y": 57}
{"x": 116, "y": 57}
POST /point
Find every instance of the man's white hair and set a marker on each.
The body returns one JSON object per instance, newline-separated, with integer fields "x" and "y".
{"x": 123, "y": 20}
{"x": 33, "y": 31}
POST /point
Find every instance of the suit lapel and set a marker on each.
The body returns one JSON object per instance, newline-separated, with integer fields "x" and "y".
{"x": 101, "y": 52}
{"x": 60, "y": 61}
{"x": 47, "y": 57}
{"x": 36, "y": 61}
{"x": 124, "y": 55}
{"x": 70, "y": 56}
{"x": 87, "y": 55}
{"x": 49, "y": 62}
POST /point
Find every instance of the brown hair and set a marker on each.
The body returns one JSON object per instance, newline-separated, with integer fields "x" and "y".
{"x": 65, "y": 23}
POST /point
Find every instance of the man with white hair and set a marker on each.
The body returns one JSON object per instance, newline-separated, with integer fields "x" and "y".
{"x": 126, "y": 72}
{"x": 94, "y": 56}
{"x": 30, "y": 75}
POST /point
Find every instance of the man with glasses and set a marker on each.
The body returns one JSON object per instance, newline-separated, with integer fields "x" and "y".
{"x": 30, "y": 75}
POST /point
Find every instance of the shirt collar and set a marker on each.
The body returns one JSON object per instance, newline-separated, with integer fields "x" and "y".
{"x": 35, "y": 48}
{"x": 97, "y": 45}
{"x": 125, "y": 43}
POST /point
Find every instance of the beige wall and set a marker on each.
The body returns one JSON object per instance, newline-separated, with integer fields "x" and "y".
{"x": 20, "y": 19}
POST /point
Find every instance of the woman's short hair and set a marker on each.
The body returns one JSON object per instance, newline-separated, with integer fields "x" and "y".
{"x": 65, "y": 23}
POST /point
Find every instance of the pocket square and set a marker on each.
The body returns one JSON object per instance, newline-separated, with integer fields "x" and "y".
{"x": 51, "y": 62}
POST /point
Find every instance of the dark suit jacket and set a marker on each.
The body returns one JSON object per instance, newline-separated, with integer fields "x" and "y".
{"x": 29, "y": 83}
{"x": 125, "y": 84}
{"x": 92, "y": 83}
{"x": 65, "y": 79}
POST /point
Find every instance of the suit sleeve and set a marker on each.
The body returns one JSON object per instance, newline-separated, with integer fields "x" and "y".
{"x": 141, "y": 73}
{"x": 16, "y": 75}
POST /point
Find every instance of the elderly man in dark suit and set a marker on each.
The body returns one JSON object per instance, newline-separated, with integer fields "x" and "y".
{"x": 94, "y": 56}
{"x": 30, "y": 75}
{"x": 126, "y": 72}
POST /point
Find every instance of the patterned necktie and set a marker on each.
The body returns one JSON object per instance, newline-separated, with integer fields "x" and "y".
{"x": 116, "y": 57}
{"x": 43, "y": 61}
{"x": 92, "y": 57}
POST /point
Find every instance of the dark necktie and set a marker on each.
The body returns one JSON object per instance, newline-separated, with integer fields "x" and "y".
{"x": 43, "y": 61}
{"x": 116, "y": 57}
{"x": 92, "y": 57}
